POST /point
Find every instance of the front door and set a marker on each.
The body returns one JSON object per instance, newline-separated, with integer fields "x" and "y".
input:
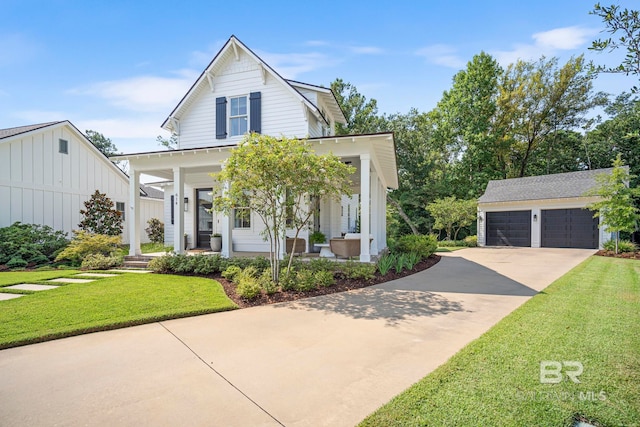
{"x": 204, "y": 219}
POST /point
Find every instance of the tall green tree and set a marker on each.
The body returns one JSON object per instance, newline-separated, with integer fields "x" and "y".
{"x": 616, "y": 208}
{"x": 102, "y": 143}
{"x": 625, "y": 23}
{"x": 170, "y": 143}
{"x": 276, "y": 178}
{"x": 618, "y": 135}
{"x": 471, "y": 124}
{"x": 361, "y": 114}
{"x": 540, "y": 98}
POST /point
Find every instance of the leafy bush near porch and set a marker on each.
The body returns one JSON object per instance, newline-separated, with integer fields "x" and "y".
{"x": 623, "y": 246}
{"x": 356, "y": 270}
{"x": 155, "y": 230}
{"x": 100, "y": 262}
{"x": 85, "y": 243}
{"x": 24, "y": 244}
{"x": 425, "y": 245}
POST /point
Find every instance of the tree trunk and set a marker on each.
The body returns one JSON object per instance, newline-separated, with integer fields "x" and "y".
{"x": 403, "y": 215}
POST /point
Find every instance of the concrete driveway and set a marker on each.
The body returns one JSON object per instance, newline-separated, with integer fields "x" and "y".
{"x": 326, "y": 361}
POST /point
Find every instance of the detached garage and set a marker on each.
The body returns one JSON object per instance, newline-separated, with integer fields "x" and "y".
{"x": 541, "y": 211}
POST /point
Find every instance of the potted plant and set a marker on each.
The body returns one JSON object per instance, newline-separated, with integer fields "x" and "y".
{"x": 216, "y": 242}
{"x": 317, "y": 237}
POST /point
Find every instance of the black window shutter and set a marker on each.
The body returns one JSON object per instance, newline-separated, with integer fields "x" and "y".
{"x": 172, "y": 200}
{"x": 255, "y": 108}
{"x": 221, "y": 118}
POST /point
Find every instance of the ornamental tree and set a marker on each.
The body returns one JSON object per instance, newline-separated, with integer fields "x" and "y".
{"x": 100, "y": 216}
{"x": 616, "y": 208}
{"x": 277, "y": 179}
{"x": 450, "y": 214}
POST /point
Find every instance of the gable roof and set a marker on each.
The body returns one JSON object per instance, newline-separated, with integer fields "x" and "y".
{"x": 6, "y": 134}
{"x": 556, "y": 186}
{"x": 234, "y": 43}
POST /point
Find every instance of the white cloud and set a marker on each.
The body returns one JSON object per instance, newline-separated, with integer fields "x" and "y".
{"x": 441, "y": 54}
{"x": 366, "y": 50}
{"x": 291, "y": 65}
{"x": 547, "y": 43}
{"x": 16, "y": 49}
{"x": 143, "y": 93}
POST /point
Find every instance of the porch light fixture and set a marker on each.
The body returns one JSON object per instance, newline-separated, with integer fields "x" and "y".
{"x": 480, "y": 218}
{"x": 535, "y": 217}
{"x": 186, "y": 204}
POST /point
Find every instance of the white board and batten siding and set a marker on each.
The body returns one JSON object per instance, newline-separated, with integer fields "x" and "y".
{"x": 40, "y": 185}
{"x": 282, "y": 112}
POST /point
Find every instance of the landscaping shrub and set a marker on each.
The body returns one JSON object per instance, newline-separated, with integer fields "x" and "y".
{"x": 288, "y": 280}
{"x": 248, "y": 285}
{"x": 100, "y": 262}
{"x": 471, "y": 241}
{"x": 412, "y": 258}
{"x": 623, "y": 246}
{"x": 385, "y": 262}
{"x": 208, "y": 264}
{"x": 267, "y": 283}
{"x": 161, "y": 264}
{"x": 324, "y": 278}
{"x": 425, "y": 245}
{"x": 155, "y": 230}
{"x": 305, "y": 281}
{"x": 356, "y": 270}
{"x": 21, "y": 244}
{"x": 321, "y": 264}
{"x": 85, "y": 243}
{"x": 231, "y": 272}
{"x": 401, "y": 261}
{"x": 100, "y": 216}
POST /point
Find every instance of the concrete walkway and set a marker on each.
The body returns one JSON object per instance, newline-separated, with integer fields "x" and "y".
{"x": 326, "y": 361}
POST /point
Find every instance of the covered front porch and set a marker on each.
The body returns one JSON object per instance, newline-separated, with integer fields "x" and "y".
{"x": 190, "y": 188}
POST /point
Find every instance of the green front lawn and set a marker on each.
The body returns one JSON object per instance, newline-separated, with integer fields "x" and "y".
{"x": 591, "y": 315}
{"x": 450, "y": 248}
{"x": 16, "y": 277}
{"x": 107, "y": 303}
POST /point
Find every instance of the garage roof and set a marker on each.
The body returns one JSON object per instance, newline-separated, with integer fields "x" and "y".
{"x": 556, "y": 186}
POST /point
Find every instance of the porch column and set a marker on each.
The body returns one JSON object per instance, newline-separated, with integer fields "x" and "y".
{"x": 134, "y": 212}
{"x": 375, "y": 212}
{"x": 383, "y": 219}
{"x": 178, "y": 209}
{"x": 365, "y": 201}
{"x": 227, "y": 235}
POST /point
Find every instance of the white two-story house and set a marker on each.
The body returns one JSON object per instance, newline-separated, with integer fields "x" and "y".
{"x": 239, "y": 93}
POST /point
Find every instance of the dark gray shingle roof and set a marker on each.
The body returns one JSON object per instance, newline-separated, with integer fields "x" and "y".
{"x": 6, "y": 133}
{"x": 556, "y": 186}
{"x": 152, "y": 193}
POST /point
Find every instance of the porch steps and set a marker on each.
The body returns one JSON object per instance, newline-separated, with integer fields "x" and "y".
{"x": 137, "y": 261}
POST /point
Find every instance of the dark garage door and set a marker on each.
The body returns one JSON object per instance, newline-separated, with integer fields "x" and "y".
{"x": 569, "y": 228}
{"x": 509, "y": 228}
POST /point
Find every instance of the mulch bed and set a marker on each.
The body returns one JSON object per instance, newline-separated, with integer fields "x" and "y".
{"x": 625, "y": 255}
{"x": 341, "y": 285}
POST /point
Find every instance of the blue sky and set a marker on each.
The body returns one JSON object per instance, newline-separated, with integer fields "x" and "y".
{"x": 119, "y": 67}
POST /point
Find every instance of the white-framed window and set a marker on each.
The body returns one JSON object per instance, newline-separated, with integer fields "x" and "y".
{"x": 238, "y": 115}
{"x": 120, "y": 208}
{"x": 63, "y": 146}
{"x": 242, "y": 218}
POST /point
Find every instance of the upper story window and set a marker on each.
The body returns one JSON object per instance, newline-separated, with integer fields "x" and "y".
{"x": 63, "y": 146}
{"x": 238, "y": 117}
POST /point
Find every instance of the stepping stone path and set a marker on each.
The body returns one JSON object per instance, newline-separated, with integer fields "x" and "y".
{"x": 31, "y": 287}
{"x": 95, "y": 275}
{"x": 4, "y": 297}
{"x": 77, "y": 278}
{"x": 132, "y": 271}
{"x": 70, "y": 280}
